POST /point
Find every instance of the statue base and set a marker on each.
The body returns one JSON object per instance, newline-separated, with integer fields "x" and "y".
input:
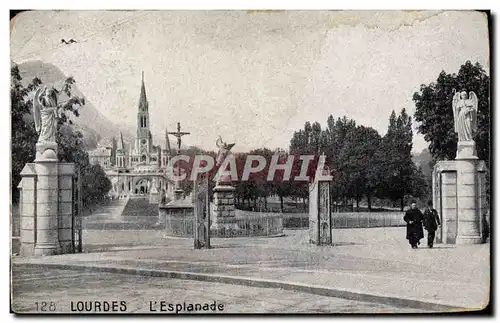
{"x": 466, "y": 150}
{"x": 459, "y": 196}
{"x": 224, "y": 210}
{"x": 46, "y": 151}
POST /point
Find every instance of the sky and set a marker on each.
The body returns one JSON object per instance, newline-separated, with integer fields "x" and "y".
{"x": 252, "y": 77}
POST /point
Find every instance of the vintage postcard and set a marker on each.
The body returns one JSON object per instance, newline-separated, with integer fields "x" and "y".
{"x": 260, "y": 161}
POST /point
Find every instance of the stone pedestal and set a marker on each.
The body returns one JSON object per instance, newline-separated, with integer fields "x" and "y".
{"x": 224, "y": 216}
{"x": 466, "y": 150}
{"x": 469, "y": 215}
{"x": 27, "y": 210}
{"x": 177, "y": 216}
{"x": 66, "y": 176}
{"x": 46, "y": 151}
{"x": 459, "y": 196}
{"x": 46, "y": 204}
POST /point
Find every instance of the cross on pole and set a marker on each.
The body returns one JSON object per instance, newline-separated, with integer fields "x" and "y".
{"x": 178, "y": 135}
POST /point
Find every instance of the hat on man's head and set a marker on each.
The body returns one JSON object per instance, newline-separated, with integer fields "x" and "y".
{"x": 413, "y": 201}
{"x": 429, "y": 203}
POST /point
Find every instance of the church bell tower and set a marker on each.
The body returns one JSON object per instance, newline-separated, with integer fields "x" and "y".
{"x": 143, "y": 136}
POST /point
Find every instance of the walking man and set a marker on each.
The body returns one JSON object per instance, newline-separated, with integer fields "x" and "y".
{"x": 414, "y": 230}
{"x": 431, "y": 223}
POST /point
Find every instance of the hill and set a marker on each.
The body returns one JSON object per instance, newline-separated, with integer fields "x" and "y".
{"x": 90, "y": 122}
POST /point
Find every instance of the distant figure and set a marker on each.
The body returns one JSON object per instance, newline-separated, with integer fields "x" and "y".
{"x": 163, "y": 196}
{"x": 431, "y": 223}
{"x": 414, "y": 230}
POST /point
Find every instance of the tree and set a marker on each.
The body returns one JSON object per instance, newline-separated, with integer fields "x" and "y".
{"x": 335, "y": 135}
{"x": 398, "y": 165}
{"x": 95, "y": 184}
{"x": 357, "y": 164}
{"x": 307, "y": 141}
{"x": 435, "y": 114}
{"x": 23, "y": 133}
{"x": 419, "y": 185}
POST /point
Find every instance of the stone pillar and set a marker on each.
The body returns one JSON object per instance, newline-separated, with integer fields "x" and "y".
{"x": 460, "y": 197}
{"x": 224, "y": 211}
{"x": 469, "y": 217}
{"x": 448, "y": 209}
{"x": 27, "y": 208}
{"x": 436, "y": 202}
{"x": 47, "y": 202}
{"x": 66, "y": 173}
{"x": 320, "y": 220}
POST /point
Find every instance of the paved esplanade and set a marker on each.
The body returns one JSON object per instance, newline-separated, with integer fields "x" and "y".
{"x": 34, "y": 284}
{"x": 374, "y": 262}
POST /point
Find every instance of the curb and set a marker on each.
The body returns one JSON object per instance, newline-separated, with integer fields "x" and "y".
{"x": 258, "y": 282}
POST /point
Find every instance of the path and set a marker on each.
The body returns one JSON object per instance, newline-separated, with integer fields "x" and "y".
{"x": 121, "y": 214}
{"x": 373, "y": 262}
{"x": 63, "y": 286}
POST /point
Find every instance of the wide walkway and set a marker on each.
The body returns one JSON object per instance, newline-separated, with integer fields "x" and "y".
{"x": 66, "y": 288}
{"x": 374, "y": 264}
{"x": 123, "y": 214}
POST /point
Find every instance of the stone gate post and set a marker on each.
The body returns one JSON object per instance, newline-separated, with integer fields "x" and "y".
{"x": 46, "y": 205}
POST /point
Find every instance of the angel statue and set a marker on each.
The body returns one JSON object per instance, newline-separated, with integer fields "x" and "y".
{"x": 465, "y": 114}
{"x": 224, "y": 151}
{"x": 46, "y": 110}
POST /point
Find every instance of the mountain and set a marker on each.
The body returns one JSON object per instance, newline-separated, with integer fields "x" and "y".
{"x": 424, "y": 160}
{"x": 90, "y": 122}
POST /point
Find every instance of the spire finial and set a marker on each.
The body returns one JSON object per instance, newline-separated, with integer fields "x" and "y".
{"x": 142, "y": 76}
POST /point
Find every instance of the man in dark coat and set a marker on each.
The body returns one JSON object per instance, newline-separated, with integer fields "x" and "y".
{"x": 431, "y": 223}
{"x": 414, "y": 230}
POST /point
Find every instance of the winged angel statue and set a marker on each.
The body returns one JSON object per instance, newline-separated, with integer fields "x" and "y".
{"x": 224, "y": 151}
{"x": 46, "y": 109}
{"x": 465, "y": 114}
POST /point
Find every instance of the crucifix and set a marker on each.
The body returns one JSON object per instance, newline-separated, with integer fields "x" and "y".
{"x": 177, "y": 171}
{"x": 178, "y": 134}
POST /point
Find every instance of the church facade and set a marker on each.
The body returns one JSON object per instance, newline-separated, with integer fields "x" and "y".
{"x": 139, "y": 168}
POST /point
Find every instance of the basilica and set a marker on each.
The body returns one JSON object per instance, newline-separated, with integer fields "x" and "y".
{"x": 139, "y": 168}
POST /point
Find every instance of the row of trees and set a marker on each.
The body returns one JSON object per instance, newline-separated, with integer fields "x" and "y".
{"x": 95, "y": 184}
{"x": 363, "y": 163}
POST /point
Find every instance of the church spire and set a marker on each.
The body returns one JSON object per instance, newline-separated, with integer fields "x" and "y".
{"x": 143, "y": 101}
{"x": 120, "y": 142}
